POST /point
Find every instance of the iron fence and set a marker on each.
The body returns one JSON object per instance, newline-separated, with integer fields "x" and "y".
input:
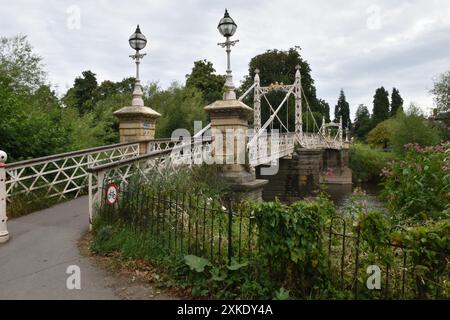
{"x": 349, "y": 256}
{"x": 186, "y": 223}
{"x": 223, "y": 231}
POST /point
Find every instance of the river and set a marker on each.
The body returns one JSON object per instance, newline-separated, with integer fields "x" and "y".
{"x": 366, "y": 193}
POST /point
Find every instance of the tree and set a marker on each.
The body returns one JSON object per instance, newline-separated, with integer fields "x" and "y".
{"x": 381, "y": 135}
{"x": 342, "y": 109}
{"x": 28, "y": 129}
{"x": 81, "y": 95}
{"x": 380, "y": 106}
{"x": 18, "y": 61}
{"x": 362, "y": 124}
{"x": 396, "y": 102}
{"x": 324, "y": 109}
{"x": 413, "y": 127}
{"x": 179, "y": 107}
{"x": 441, "y": 92}
{"x": 203, "y": 78}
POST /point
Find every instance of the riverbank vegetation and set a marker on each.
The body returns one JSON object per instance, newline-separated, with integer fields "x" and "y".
{"x": 213, "y": 246}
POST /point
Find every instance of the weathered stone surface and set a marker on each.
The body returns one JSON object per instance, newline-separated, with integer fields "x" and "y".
{"x": 300, "y": 176}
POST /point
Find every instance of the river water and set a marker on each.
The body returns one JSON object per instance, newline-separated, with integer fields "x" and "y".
{"x": 366, "y": 194}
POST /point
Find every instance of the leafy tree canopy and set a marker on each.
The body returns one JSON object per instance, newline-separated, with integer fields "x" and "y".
{"x": 380, "y": 105}
{"x": 363, "y": 123}
{"x": 179, "y": 107}
{"x": 203, "y": 78}
{"x": 18, "y": 61}
{"x": 441, "y": 92}
{"x": 396, "y": 102}
{"x": 342, "y": 109}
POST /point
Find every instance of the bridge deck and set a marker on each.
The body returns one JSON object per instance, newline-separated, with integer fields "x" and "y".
{"x": 33, "y": 263}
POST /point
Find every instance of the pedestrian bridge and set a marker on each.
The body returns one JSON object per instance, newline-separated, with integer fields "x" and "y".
{"x": 70, "y": 175}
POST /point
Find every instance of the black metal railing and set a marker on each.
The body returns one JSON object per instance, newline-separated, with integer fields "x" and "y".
{"x": 223, "y": 231}
{"x": 186, "y": 223}
{"x": 349, "y": 256}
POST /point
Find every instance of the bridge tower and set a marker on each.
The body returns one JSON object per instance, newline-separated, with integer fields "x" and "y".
{"x": 298, "y": 105}
{"x": 257, "y": 103}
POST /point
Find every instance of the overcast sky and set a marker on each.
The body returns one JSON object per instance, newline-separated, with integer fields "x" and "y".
{"x": 354, "y": 45}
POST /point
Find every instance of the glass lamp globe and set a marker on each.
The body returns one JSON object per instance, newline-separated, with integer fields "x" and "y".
{"x": 137, "y": 40}
{"x": 227, "y": 27}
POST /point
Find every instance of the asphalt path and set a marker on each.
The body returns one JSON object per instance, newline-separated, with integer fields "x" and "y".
{"x": 42, "y": 247}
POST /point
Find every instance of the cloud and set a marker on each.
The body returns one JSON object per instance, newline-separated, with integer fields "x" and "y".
{"x": 354, "y": 45}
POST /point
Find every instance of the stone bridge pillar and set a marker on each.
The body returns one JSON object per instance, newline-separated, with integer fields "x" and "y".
{"x": 137, "y": 122}
{"x": 229, "y": 126}
{"x": 298, "y": 176}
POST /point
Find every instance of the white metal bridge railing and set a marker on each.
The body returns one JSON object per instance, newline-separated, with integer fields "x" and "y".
{"x": 61, "y": 175}
{"x": 185, "y": 153}
{"x": 267, "y": 147}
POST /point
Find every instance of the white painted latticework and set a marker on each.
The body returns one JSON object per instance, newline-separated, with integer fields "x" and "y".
{"x": 267, "y": 148}
{"x": 58, "y": 176}
{"x": 169, "y": 161}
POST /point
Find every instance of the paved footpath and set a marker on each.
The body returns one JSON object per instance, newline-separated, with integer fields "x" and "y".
{"x": 33, "y": 263}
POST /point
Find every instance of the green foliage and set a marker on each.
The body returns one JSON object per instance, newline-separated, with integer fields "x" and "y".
{"x": 441, "y": 92}
{"x": 381, "y": 135}
{"x": 324, "y": 109}
{"x": 197, "y": 264}
{"x": 290, "y": 240}
{"x": 412, "y": 127}
{"x": 342, "y": 109}
{"x": 430, "y": 246}
{"x": 374, "y": 228}
{"x": 363, "y": 123}
{"x": 281, "y": 294}
{"x": 179, "y": 107}
{"x": 396, "y": 102}
{"x": 417, "y": 187}
{"x": 279, "y": 66}
{"x": 81, "y": 95}
{"x": 22, "y": 66}
{"x": 367, "y": 163}
{"x": 28, "y": 130}
{"x": 204, "y": 79}
{"x": 380, "y": 106}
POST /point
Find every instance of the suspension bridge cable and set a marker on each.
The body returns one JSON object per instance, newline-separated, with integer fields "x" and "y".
{"x": 307, "y": 104}
{"x": 273, "y": 111}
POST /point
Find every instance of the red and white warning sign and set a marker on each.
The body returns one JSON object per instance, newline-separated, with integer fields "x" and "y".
{"x": 112, "y": 194}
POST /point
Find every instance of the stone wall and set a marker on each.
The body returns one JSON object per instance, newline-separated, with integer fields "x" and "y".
{"x": 297, "y": 176}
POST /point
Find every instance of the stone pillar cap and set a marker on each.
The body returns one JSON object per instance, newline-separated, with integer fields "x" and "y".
{"x": 229, "y": 105}
{"x": 134, "y": 110}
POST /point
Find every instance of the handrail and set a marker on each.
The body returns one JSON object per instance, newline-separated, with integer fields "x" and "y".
{"x": 15, "y": 165}
{"x": 150, "y": 155}
{"x": 18, "y": 164}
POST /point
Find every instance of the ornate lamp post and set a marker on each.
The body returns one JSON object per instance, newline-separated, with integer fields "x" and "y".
{"x": 137, "y": 42}
{"x": 227, "y": 27}
{"x": 137, "y": 122}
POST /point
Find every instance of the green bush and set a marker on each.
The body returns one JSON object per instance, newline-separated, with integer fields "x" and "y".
{"x": 367, "y": 163}
{"x": 429, "y": 249}
{"x": 291, "y": 245}
{"x": 413, "y": 128}
{"x": 381, "y": 135}
{"x": 418, "y": 186}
